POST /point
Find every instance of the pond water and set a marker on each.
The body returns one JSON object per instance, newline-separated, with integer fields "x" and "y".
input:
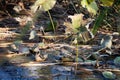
{"x": 10, "y": 70}
{"x": 56, "y": 72}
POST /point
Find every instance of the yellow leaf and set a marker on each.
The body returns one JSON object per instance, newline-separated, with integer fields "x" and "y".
{"x": 107, "y": 2}
{"x": 39, "y": 2}
{"x": 34, "y": 8}
{"x": 76, "y": 20}
{"x": 49, "y": 4}
{"x": 84, "y": 3}
{"x": 44, "y": 4}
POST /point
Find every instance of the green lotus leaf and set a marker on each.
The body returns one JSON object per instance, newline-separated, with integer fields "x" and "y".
{"x": 117, "y": 61}
{"x": 90, "y": 5}
{"x": 108, "y": 75}
{"x": 43, "y": 5}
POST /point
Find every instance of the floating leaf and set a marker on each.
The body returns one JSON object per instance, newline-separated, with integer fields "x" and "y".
{"x": 117, "y": 61}
{"x": 23, "y": 49}
{"x": 107, "y": 2}
{"x": 17, "y": 43}
{"x": 32, "y": 34}
{"x": 76, "y": 20}
{"x": 90, "y": 5}
{"x": 43, "y": 5}
{"x": 106, "y": 42}
{"x": 108, "y": 75}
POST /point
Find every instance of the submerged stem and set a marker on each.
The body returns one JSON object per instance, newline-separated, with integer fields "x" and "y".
{"x": 76, "y": 54}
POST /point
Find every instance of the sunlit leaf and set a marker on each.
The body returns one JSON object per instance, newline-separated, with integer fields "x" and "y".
{"x": 117, "y": 61}
{"x": 107, "y": 2}
{"x": 108, "y": 75}
{"x": 76, "y": 20}
{"x": 32, "y": 34}
{"x": 43, "y": 5}
{"x": 40, "y": 2}
{"x": 84, "y": 3}
{"x": 49, "y": 4}
{"x": 34, "y": 8}
{"x": 75, "y": 41}
{"x": 92, "y": 8}
{"x": 90, "y": 5}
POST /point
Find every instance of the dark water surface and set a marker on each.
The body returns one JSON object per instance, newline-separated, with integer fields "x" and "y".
{"x": 55, "y": 72}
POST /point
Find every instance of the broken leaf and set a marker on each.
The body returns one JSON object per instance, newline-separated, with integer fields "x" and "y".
{"x": 76, "y": 20}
